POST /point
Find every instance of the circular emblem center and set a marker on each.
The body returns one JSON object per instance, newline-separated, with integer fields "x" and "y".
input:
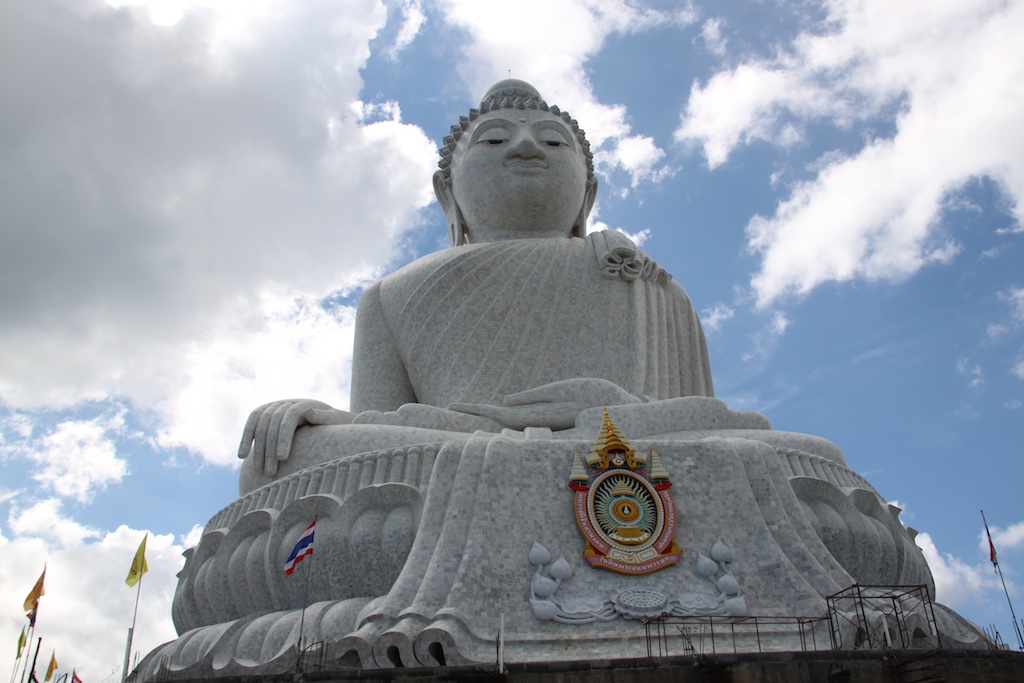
{"x": 625, "y": 508}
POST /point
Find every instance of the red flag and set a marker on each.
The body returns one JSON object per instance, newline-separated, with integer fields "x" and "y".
{"x": 302, "y": 548}
{"x": 74, "y": 677}
{"x": 991, "y": 547}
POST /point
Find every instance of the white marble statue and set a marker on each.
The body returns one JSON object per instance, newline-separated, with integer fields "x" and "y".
{"x": 534, "y": 447}
{"x": 523, "y": 321}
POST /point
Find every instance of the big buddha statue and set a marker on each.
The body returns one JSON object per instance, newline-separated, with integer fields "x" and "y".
{"x": 533, "y": 453}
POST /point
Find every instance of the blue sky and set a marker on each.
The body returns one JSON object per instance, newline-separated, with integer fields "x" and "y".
{"x": 194, "y": 194}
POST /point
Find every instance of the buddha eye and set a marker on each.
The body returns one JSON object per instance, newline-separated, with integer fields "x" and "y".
{"x": 551, "y": 137}
{"x": 495, "y": 135}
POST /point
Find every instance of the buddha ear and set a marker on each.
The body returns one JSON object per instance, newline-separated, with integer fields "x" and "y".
{"x": 446, "y": 198}
{"x": 579, "y": 228}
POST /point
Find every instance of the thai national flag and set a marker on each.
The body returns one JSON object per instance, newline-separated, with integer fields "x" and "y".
{"x": 302, "y": 548}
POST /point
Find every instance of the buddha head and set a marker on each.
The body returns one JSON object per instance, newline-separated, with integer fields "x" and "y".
{"x": 515, "y": 168}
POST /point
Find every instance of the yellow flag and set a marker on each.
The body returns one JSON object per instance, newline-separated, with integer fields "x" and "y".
{"x": 36, "y": 592}
{"x": 21, "y": 642}
{"x": 139, "y": 566}
{"x": 53, "y": 667}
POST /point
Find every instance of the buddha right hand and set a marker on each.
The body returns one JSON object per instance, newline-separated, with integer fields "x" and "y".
{"x": 270, "y": 429}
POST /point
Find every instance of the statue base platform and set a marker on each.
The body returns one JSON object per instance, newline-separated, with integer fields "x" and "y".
{"x": 433, "y": 554}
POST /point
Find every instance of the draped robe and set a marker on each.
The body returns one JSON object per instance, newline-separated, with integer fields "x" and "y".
{"x": 475, "y": 323}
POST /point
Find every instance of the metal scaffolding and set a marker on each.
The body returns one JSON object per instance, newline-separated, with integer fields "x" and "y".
{"x": 871, "y": 614}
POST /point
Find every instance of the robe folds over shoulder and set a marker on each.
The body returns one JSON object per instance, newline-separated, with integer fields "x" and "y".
{"x": 479, "y": 322}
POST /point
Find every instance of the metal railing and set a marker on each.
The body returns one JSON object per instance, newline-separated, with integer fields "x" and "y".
{"x": 702, "y": 636}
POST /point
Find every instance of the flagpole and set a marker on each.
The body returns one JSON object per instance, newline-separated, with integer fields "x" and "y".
{"x": 33, "y": 596}
{"x": 302, "y": 619}
{"x": 1016, "y": 626}
{"x": 17, "y": 662}
{"x": 131, "y": 631}
{"x": 28, "y": 639}
{"x": 25, "y": 646}
{"x": 39, "y": 644}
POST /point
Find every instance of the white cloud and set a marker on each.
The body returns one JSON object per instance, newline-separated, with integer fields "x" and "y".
{"x": 1004, "y": 539}
{"x": 79, "y": 457}
{"x": 299, "y": 345}
{"x": 711, "y": 34}
{"x": 767, "y": 338}
{"x": 1001, "y": 331}
{"x": 638, "y": 156}
{"x": 951, "y": 71}
{"x": 192, "y": 538}
{"x": 87, "y": 608}
{"x": 712, "y": 318}
{"x": 996, "y": 331}
{"x": 1015, "y": 298}
{"x": 45, "y": 520}
{"x": 413, "y": 19}
{"x": 163, "y": 180}
{"x": 957, "y": 583}
{"x": 744, "y": 105}
{"x": 74, "y": 459}
{"x": 972, "y": 371}
{"x": 18, "y": 426}
{"x": 638, "y": 238}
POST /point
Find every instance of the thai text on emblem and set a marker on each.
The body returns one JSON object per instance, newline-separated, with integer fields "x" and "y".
{"x": 623, "y": 506}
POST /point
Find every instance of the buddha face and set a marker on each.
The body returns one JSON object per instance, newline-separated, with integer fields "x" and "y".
{"x": 517, "y": 173}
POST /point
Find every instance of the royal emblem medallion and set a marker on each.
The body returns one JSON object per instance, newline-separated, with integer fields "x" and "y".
{"x": 623, "y": 506}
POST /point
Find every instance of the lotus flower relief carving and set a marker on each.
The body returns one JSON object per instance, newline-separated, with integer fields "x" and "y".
{"x": 706, "y": 567}
{"x": 720, "y": 552}
{"x": 539, "y": 555}
{"x": 544, "y": 586}
{"x": 636, "y": 602}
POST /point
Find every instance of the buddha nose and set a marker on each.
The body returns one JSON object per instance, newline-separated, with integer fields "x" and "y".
{"x": 525, "y": 146}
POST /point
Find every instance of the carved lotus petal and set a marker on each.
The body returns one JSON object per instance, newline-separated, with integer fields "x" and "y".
{"x": 728, "y": 584}
{"x": 736, "y": 607}
{"x": 545, "y": 610}
{"x": 720, "y": 552}
{"x": 561, "y": 569}
{"x": 543, "y": 586}
{"x": 539, "y": 555}
{"x": 706, "y": 567}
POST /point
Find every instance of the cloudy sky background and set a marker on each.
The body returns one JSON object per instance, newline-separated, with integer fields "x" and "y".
{"x": 193, "y": 194}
